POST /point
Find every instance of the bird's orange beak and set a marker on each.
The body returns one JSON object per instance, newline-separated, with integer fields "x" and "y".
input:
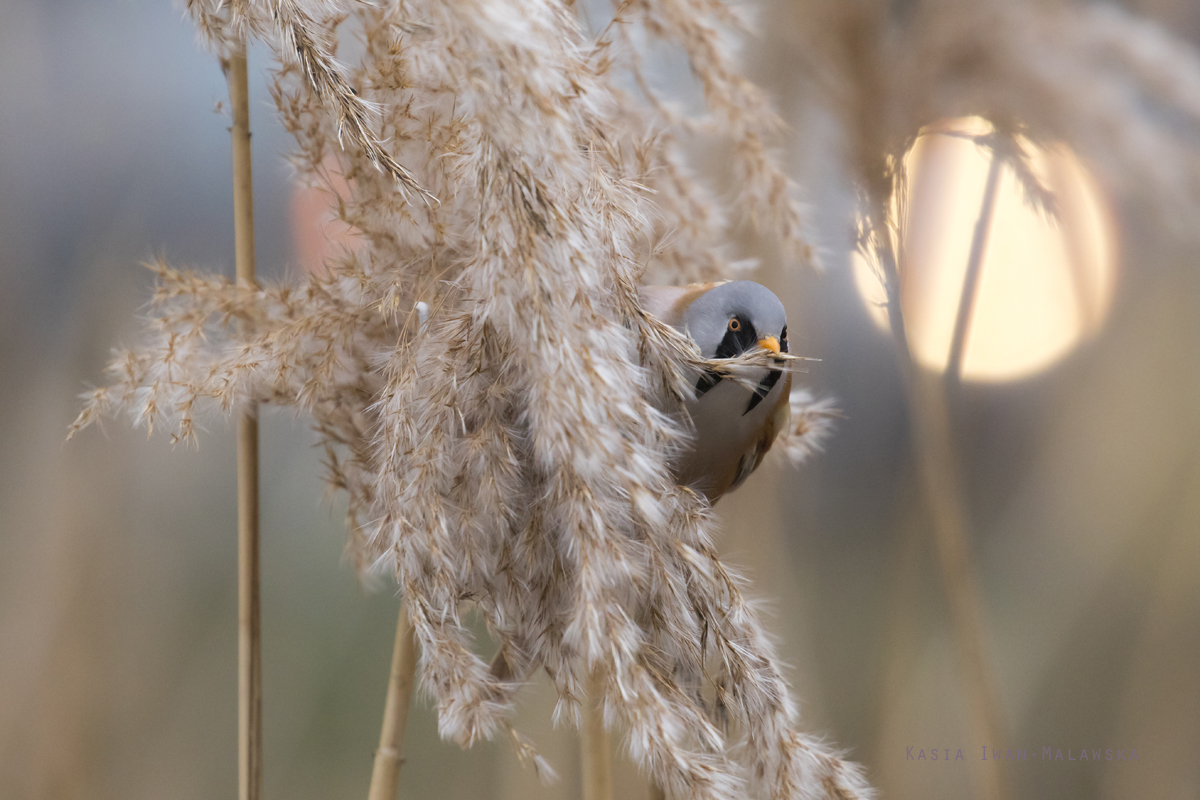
{"x": 769, "y": 343}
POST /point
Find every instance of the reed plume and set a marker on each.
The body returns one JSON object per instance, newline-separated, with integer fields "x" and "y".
{"x": 520, "y": 178}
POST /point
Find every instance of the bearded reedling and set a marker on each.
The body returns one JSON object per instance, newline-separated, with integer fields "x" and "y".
{"x": 733, "y": 425}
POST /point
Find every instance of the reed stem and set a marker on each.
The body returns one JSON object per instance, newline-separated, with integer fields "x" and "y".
{"x": 249, "y": 634}
{"x": 938, "y": 470}
{"x": 970, "y": 288}
{"x": 597, "y": 750}
{"x": 385, "y": 777}
{"x": 938, "y": 473}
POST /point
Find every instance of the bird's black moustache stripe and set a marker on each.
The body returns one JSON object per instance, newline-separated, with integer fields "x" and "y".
{"x": 733, "y": 344}
{"x": 707, "y": 381}
{"x": 763, "y": 389}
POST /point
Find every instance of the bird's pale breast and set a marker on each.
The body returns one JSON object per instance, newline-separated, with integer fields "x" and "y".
{"x": 729, "y": 444}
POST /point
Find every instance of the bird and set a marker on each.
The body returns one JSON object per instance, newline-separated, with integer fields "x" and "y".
{"x": 732, "y": 427}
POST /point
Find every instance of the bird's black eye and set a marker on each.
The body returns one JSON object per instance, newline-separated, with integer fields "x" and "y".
{"x": 735, "y": 324}
{"x": 783, "y": 340}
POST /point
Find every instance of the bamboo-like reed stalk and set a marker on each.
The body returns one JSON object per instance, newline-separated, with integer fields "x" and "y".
{"x": 596, "y": 747}
{"x": 385, "y": 777}
{"x": 249, "y": 639}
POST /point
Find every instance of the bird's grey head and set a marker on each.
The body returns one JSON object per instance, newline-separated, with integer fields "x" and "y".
{"x": 732, "y": 318}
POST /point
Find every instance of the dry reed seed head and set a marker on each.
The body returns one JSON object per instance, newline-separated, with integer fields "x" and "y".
{"x": 811, "y": 426}
{"x": 489, "y": 393}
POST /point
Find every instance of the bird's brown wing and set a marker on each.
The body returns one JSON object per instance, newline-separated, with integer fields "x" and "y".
{"x": 668, "y": 303}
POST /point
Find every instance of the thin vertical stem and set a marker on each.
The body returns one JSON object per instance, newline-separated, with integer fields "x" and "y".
{"x": 597, "y": 749}
{"x": 249, "y": 635}
{"x": 970, "y": 290}
{"x": 385, "y": 777}
{"x": 938, "y": 472}
{"x": 900, "y": 623}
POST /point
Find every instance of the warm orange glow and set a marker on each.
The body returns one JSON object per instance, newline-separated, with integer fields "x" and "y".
{"x": 318, "y": 233}
{"x": 1044, "y": 285}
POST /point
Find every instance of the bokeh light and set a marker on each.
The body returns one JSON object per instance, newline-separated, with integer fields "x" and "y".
{"x": 318, "y": 233}
{"x": 1046, "y": 280}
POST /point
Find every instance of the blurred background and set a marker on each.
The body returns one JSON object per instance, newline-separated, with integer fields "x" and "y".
{"x": 1075, "y": 430}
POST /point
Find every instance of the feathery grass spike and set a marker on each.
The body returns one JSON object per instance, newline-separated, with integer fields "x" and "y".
{"x": 513, "y": 453}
